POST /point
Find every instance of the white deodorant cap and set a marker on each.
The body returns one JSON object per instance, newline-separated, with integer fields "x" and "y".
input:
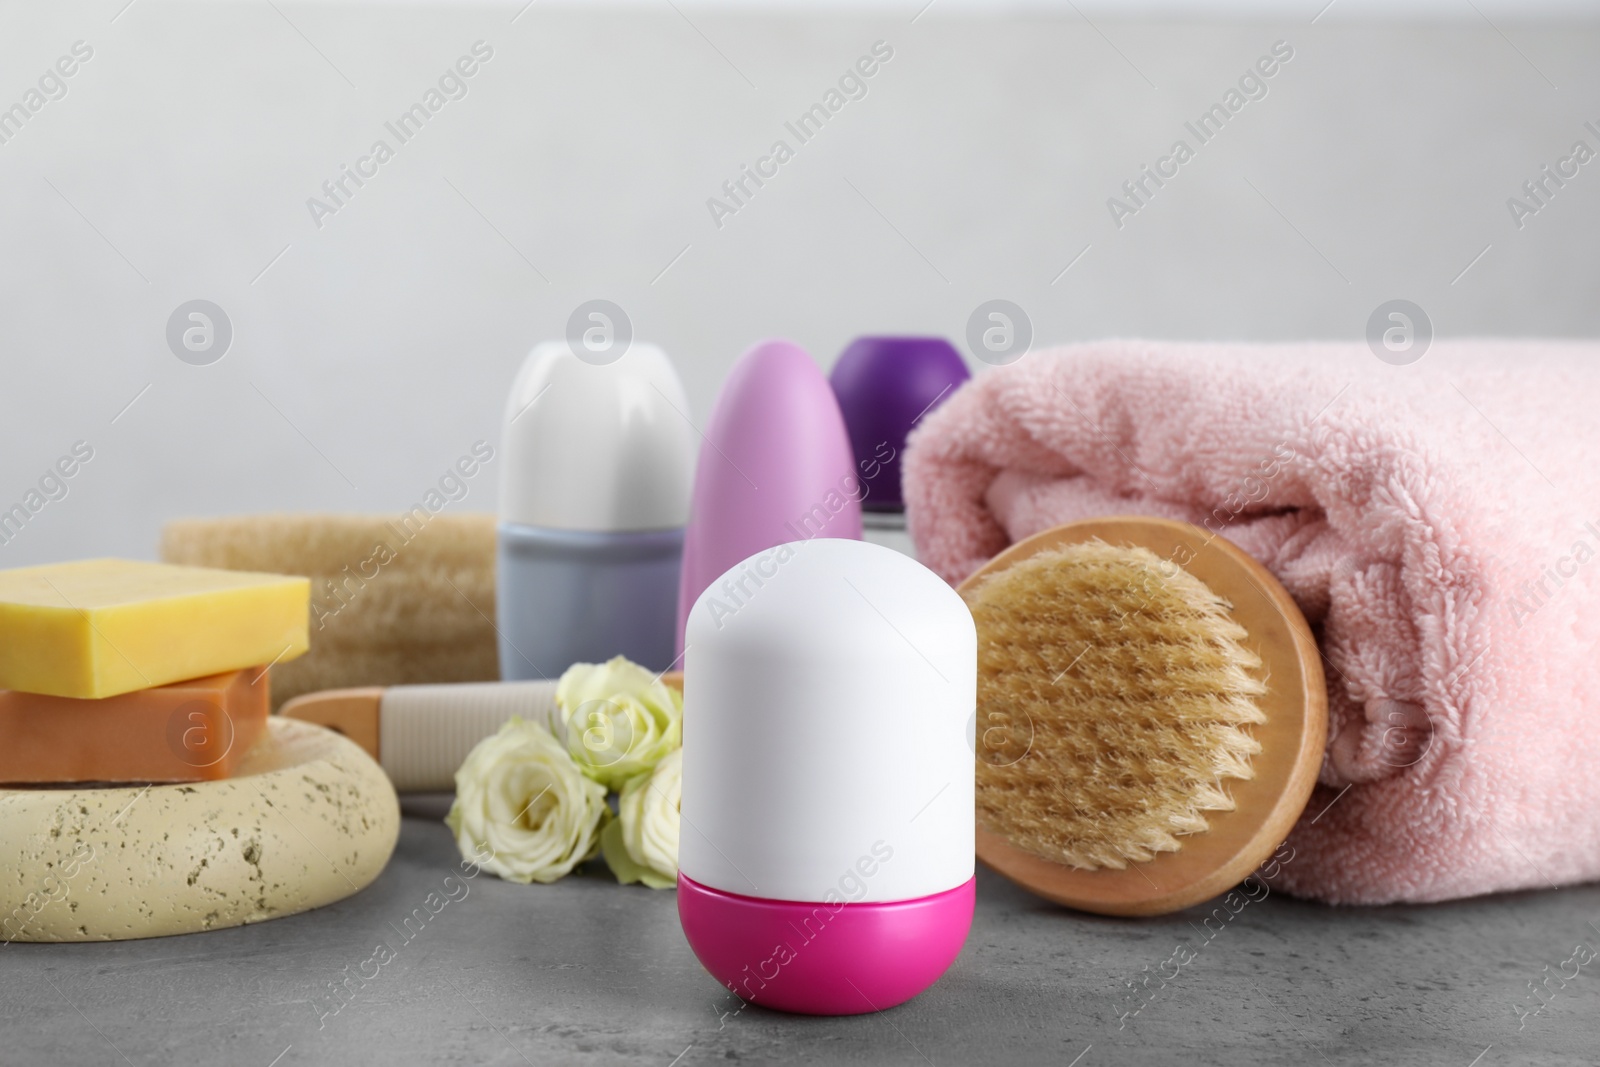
{"x": 829, "y": 699}
{"x": 606, "y": 447}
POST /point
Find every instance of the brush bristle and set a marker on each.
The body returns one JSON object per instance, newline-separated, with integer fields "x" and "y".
{"x": 1115, "y": 698}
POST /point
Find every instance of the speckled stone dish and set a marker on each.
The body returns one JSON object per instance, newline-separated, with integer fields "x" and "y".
{"x": 308, "y": 819}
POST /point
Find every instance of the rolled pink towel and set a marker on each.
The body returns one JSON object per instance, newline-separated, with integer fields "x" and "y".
{"x": 1438, "y": 523}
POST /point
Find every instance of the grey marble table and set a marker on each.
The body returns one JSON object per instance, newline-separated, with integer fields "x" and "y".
{"x": 590, "y": 972}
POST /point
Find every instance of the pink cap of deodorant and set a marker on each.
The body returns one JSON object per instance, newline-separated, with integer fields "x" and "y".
{"x": 776, "y": 466}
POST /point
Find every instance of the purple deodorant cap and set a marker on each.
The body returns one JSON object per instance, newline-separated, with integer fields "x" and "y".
{"x": 775, "y": 467}
{"x": 885, "y": 386}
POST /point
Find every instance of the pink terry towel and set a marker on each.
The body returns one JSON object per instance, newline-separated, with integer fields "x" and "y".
{"x": 1438, "y": 523}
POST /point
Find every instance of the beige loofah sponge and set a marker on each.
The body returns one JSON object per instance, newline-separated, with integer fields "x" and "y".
{"x": 1116, "y": 701}
{"x": 395, "y": 599}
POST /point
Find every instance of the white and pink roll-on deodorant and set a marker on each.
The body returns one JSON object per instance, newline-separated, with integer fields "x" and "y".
{"x": 826, "y": 849}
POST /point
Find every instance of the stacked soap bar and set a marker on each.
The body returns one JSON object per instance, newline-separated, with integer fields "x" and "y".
{"x": 184, "y": 732}
{"x": 123, "y": 671}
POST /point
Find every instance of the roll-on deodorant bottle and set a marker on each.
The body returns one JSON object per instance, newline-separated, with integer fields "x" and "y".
{"x": 886, "y": 386}
{"x": 594, "y": 497}
{"x": 826, "y": 850}
{"x": 775, "y": 467}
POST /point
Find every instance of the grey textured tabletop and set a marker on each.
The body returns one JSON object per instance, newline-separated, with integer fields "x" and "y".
{"x": 589, "y": 972}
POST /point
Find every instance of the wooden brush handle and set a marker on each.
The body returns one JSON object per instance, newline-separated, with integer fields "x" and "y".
{"x": 425, "y": 731}
{"x": 351, "y": 712}
{"x": 419, "y": 734}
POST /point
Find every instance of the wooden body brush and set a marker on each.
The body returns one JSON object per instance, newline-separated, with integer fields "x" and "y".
{"x": 1151, "y": 714}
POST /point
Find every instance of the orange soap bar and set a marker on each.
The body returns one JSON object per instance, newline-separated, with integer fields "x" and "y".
{"x": 184, "y": 732}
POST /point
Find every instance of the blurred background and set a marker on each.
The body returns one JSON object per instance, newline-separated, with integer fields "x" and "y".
{"x": 367, "y": 343}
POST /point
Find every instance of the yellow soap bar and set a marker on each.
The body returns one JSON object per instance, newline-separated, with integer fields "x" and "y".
{"x": 102, "y": 627}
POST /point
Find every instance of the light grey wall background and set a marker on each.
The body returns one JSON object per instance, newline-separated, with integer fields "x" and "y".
{"x": 371, "y": 352}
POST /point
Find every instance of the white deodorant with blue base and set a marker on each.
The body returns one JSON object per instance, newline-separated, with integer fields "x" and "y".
{"x": 594, "y": 497}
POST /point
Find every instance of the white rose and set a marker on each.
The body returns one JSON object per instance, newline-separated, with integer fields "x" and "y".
{"x": 642, "y": 844}
{"x": 619, "y": 719}
{"x": 521, "y": 800}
